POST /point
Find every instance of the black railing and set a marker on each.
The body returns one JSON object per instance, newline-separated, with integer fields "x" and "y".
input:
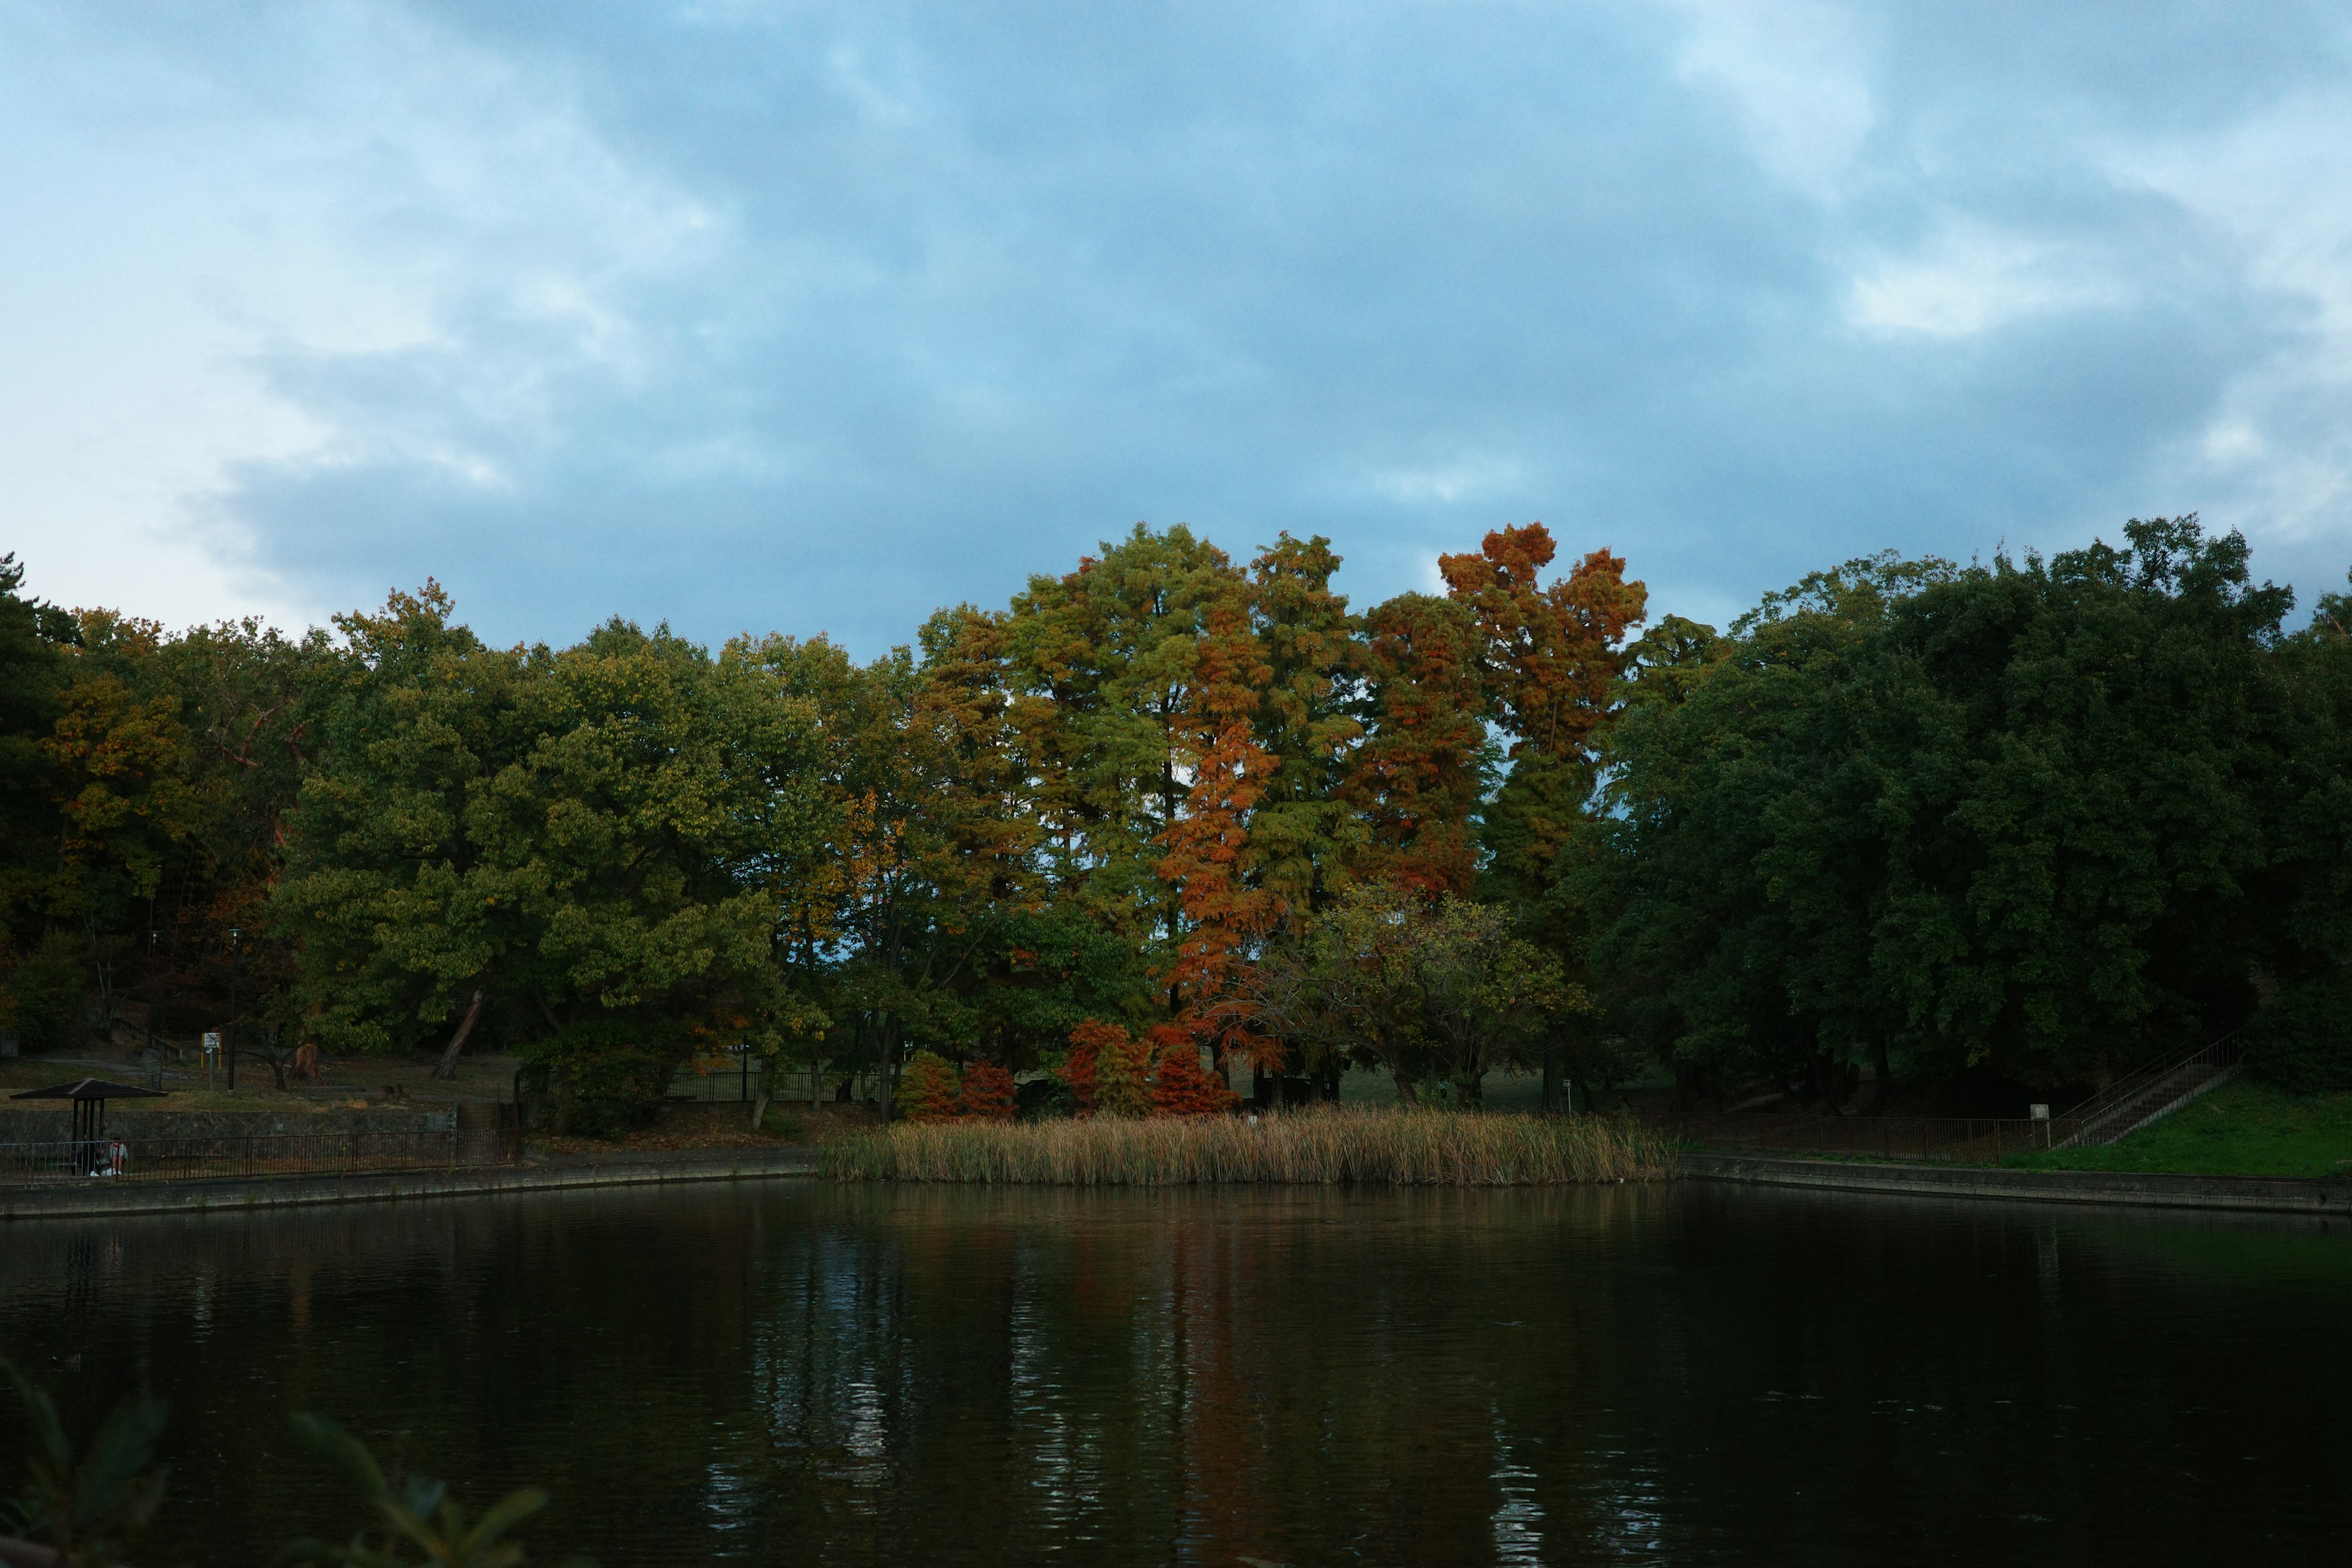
{"x": 1951, "y": 1139}
{"x": 138, "y": 1159}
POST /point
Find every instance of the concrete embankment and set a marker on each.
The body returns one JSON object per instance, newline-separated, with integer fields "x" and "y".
{"x": 2248, "y": 1194}
{"x": 101, "y": 1195}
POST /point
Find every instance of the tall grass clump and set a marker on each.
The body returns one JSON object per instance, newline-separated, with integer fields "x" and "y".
{"x": 1322, "y": 1146}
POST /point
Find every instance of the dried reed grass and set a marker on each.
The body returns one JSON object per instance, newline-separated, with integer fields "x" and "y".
{"x": 1324, "y": 1145}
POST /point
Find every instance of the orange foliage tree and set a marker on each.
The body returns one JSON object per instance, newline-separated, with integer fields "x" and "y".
{"x": 1550, "y": 659}
{"x": 926, "y": 1092}
{"x": 1209, "y": 858}
{"x": 1417, "y": 776}
{"x": 1081, "y": 1069}
{"x": 1180, "y": 1085}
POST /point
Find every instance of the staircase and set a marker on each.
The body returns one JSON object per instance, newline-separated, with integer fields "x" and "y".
{"x": 2138, "y": 1098}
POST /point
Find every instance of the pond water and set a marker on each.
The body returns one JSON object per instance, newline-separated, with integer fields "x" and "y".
{"x": 791, "y": 1373}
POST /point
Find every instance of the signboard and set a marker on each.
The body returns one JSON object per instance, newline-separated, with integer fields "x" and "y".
{"x": 212, "y": 1045}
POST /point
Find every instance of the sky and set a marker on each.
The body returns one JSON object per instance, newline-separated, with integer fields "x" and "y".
{"x": 808, "y": 318}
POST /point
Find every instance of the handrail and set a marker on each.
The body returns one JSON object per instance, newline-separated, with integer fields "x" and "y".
{"x": 2123, "y": 1100}
{"x": 1959, "y": 1139}
{"x": 2131, "y": 1083}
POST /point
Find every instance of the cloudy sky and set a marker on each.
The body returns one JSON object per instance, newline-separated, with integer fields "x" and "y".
{"x": 751, "y": 315}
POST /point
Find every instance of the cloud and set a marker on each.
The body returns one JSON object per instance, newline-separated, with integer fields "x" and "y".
{"x": 1972, "y": 280}
{"x": 1796, "y": 75}
{"x": 813, "y": 315}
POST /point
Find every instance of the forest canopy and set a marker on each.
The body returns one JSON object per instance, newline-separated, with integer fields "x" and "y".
{"x": 1957, "y": 831}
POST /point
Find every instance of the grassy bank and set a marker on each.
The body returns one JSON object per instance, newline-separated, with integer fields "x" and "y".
{"x": 2243, "y": 1129}
{"x": 1327, "y": 1145}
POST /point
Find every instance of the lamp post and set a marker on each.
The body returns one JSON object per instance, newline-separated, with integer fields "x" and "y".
{"x": 236, "y": 936}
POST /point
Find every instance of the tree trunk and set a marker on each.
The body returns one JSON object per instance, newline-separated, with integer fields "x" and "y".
{"x": 446, "y": 1068}
{"x": 1551, "y": 1106}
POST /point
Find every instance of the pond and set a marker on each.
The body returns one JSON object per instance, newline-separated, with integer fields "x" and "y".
{"x": 788, "y": 1373}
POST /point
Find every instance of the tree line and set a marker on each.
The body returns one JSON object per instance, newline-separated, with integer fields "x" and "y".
{"x": 1908, "y": 823}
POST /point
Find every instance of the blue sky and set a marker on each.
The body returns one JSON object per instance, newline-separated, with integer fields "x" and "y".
{"x": 814, "y": 316}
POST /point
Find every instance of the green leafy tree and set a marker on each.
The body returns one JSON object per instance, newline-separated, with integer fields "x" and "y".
{"x": 2006, "y": 819}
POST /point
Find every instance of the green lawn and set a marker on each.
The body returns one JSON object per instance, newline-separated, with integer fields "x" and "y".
{"x": 2243, "y": 1129}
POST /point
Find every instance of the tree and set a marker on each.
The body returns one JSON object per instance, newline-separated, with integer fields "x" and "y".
{"x": 1437, "y": 992}
{"x": 1105, "y": 1059}
{"x": 1180, "y": 1085}
{"x": 1552, "y": 664}
{"x": 1421, "y": 771}
{"x": 1210, "y": 859}
{"x": 988, "y": 1093}
{"x": 1100, "y": 663}
{"x": 1119, "y": 1088}
{"x": 1308, "y": 724}
{"x": 2001, "y": 820}
{"x": 928, "y": 1091}
{"x": 401, "y": 912}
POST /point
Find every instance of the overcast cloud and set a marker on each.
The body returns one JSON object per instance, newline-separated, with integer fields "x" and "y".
{"x": 816, "y": 317}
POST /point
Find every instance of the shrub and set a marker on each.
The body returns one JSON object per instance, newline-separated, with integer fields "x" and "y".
{"x": 2302, "y": 1041}
{"x": 1181, "y": 1086}
{"x": 1080, "y": 1065}
{"x": 988, "y": 1093}
{"x": 607, "y": 1076}
{"x": 1119, "y": 1090}
{"x": 926, "y": 1090}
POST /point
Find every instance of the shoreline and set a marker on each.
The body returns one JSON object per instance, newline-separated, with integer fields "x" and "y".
{"x": 2245, "y": 1194}
{"x": 621, "y": 1168}
{"x": 2250, "y": 1195}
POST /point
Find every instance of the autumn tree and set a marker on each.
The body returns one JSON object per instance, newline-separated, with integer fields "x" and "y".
{"x": 1101, "y": 662}
{"x": 1308, "y": 720}
{"x": 928, "y": 1092}
{"x": 1551, "y": 662}
{"x": 1417, "y": 778}
{"x": 1210, "y": 860}
{"x": 1181, "y": 1086}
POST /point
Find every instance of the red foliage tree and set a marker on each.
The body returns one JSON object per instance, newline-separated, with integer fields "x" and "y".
{"x": 1081, "y": 1069}
{"x": 1180, "y": 1085}
{"x": 987, "y": 1093}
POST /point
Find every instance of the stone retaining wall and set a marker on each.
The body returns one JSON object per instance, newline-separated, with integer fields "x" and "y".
{"x": 20, "y": 1124}
{"x": 2249, "y": 1193}
{"x": 620, "y": 1169}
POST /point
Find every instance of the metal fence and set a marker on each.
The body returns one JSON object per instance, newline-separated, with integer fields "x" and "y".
{"x": 1947, "y": 1138}
{"x": 287, "y": 1154}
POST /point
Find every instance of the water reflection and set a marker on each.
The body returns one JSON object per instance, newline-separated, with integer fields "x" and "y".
{"x": 1694, "y": 1374}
